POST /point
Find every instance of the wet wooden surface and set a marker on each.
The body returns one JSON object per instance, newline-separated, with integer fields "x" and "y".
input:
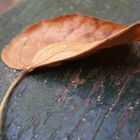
{"x": 95, "y": 98}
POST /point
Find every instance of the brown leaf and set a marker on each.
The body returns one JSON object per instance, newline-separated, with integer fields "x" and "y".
{"x": 63, "y": 38}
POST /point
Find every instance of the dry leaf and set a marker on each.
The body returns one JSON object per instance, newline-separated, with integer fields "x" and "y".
{"x": 63, "y": 37}
{"x": 52, "y": 41}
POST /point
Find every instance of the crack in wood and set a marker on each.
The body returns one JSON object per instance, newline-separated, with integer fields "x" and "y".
{"x": 137, "y": 136}
{"x": 117, "y": 98}
{"x": 70, "y": 135}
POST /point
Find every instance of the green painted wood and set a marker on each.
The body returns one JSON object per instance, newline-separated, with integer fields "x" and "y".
{"x": 72, "y": 102}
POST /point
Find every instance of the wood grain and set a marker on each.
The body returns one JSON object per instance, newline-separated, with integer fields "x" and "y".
{"x": 54, "y": 103}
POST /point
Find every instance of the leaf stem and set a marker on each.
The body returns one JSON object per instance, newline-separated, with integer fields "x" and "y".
{"x": 7, "y": 95}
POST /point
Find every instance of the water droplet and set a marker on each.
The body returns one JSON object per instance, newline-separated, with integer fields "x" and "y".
{"x": 71, "y": 7}
{"x": 137, "y": 102}
{"x": 19, "y": 95}
{"x": 92, "y": 101}
{"x": 83, "y": 119}
{"x": 99, "y": 98}
{"x": 79, "y": 138}
{"x": 130, "y": 108}
{"x": 13, "y": 138}
{"x": 59, "y": 100}
{"x": 64, "y": 139}
{"x": 110, "y": 108}
{"x": 102, "y": 85}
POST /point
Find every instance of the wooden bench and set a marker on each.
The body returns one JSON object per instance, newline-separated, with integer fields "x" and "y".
{"x": 95, "y": 98}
